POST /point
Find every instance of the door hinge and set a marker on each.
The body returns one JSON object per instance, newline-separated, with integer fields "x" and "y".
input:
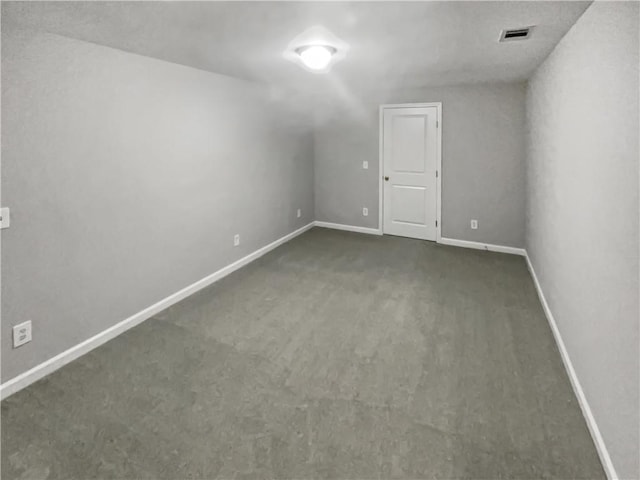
{"x": 437, "y": 123}
{"x": 436, "y": 173}
{"x": 436, "y": 223}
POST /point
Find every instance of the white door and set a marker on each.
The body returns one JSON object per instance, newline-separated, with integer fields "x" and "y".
{"x": 410, "y": 160}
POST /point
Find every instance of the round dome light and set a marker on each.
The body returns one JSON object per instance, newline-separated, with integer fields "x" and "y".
{"x": 316, "y": 57}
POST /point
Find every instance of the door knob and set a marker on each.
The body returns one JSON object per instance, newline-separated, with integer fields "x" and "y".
{"x": 386, "y": 179}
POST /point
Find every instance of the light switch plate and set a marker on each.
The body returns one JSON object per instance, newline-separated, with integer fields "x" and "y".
{"x": 5, "y": 218}
{"x": 365, "y": 165}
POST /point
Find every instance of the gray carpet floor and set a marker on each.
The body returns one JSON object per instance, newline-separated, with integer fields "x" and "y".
{"x": 337, "y": 355}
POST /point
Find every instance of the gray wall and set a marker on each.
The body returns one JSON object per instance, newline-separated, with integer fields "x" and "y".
{"x": 582, "y": 213}
{"x": 127, "y": 178}
{"x": 483, "y": 156}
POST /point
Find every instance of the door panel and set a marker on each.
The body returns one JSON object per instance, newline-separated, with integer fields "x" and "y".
{"x": 410, "y": 152}
{"x": 408, "y": 204}
{"x": 408, "y": 144}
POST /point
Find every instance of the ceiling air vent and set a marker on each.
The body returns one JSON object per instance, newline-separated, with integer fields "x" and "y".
{"x": 515, "y": 34}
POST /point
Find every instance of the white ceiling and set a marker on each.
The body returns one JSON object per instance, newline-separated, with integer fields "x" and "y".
{"x": 392, "y": 44}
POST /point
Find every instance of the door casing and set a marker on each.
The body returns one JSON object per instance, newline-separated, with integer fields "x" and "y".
{"x": 438, "y": 106}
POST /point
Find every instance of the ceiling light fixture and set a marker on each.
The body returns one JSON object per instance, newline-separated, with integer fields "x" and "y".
{"x": 316, "y": 50}
{"x": 316, "y": 57}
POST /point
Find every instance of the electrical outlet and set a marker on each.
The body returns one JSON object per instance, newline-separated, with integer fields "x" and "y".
{"x": 474, "y": 224}
{"x": 299, "y": 213}
{"x": 236, "y": 240}
{"x": 365, "y": 211}
{"x": 365, "y": 165}
{"x": 21, "y": 334}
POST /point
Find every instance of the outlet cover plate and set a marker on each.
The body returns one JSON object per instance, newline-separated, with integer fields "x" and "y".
{"x": 21, "y": 334}
{"x": 5, "y": 217}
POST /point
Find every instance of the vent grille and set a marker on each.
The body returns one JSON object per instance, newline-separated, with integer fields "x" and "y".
{"x": 513, "y": 34}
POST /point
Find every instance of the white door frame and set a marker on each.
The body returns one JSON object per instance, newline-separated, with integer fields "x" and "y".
{"x": 438, "y": 106}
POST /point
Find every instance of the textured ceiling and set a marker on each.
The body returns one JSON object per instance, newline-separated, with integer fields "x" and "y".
{"x": 392, "y": 44}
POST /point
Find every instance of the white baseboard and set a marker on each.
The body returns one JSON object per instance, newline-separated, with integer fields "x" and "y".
{"x": 349, "y": 228}
{"x": 575, "y": 383}
{"x": 482, "y": 246}
{"x": 49, "y": 366}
